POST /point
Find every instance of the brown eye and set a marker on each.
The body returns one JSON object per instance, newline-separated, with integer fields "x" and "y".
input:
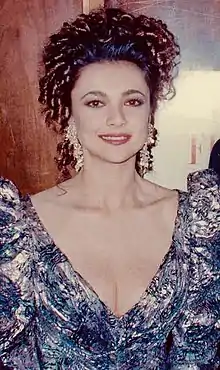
{"x": 134, "y": 102}
{"x": 94, "y": 104}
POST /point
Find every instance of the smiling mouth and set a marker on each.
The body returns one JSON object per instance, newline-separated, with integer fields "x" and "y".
{"x": 115, "y": 139}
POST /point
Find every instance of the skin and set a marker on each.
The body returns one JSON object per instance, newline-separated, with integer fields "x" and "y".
{"x": 113, "y": 226}
{"x": 109, "y": 171}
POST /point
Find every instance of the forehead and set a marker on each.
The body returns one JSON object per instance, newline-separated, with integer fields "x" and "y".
{"x": 111, "y": 77}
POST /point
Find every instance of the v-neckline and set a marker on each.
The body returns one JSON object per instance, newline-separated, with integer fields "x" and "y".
{"x": 106, "y": 306}
{"x": 85, "y": 282}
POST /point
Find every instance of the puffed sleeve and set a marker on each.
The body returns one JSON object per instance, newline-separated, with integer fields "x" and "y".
{"x": 16, "y": 288}
{"x": 196, "y": 336}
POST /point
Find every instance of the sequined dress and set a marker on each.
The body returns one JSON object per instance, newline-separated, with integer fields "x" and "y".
{"x": 51, "y": 318}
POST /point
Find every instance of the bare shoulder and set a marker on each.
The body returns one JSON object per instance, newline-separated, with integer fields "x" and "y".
{"x": 54, "y": 194}
{"x": 158, "y": 193}
{"x": 48, "y": 204}
{"x": 57, "y": 204}
{"x": 53, "y": 208}
{"x": 165, "y": 201}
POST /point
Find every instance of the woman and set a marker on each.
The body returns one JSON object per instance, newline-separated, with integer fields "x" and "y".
{"x": 118, "y": 272}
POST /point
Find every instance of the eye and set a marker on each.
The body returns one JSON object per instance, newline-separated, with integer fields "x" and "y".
{"x": 94, "y": 103}
{"x": 134, "y": 102}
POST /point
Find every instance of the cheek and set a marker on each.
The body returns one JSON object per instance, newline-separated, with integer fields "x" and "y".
{"x": 138, "y": 121}
{"x": 137, "y": 114}
{"x": 86, "y": 127}
{"x": 90, "y": 119}
{"x": 143, "y": 134}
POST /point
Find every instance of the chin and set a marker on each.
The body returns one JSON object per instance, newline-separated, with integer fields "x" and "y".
{"x": 117, "y": 158}
{"x": 114, "y": 154}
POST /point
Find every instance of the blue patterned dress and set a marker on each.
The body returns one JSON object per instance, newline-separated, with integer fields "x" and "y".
{"x": 50, "y": 318}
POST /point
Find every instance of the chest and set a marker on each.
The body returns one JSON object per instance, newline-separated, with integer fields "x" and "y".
{"x": 118, "y": 256}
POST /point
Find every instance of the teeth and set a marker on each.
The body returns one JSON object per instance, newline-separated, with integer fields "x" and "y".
{"x": 116, "y": 138}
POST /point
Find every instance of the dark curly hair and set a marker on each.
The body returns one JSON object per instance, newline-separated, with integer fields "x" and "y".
{"x": 104, "y": 34}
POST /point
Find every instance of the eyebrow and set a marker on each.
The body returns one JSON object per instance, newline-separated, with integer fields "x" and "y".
{"x": 125, "y": 93}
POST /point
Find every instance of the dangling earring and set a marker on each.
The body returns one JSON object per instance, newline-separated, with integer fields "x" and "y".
{"x": 71, "y": 135}
{"x": 145, "y": 157}
{"x": 143, "y": 160}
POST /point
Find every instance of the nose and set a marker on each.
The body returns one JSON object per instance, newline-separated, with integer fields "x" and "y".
{"x": 116, "y": 117}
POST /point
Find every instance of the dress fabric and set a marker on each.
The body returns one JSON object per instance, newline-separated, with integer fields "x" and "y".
{"x": 51, "y": 318}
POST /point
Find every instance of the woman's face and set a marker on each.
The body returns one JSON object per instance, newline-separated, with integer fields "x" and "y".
{"x": 111, "y": 108}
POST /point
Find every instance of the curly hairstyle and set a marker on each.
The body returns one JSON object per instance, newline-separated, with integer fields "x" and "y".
{"x": 104, "y": 34}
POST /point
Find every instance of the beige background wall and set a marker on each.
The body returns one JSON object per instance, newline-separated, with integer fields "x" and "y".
{"x": 188, "y": 127}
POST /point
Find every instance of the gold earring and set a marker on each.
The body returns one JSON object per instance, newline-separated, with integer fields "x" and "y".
{"x": 145, "y": 157}
{"x": 71, "y": 135}
{"x": 152, "y": 135}
{"x": 143, "y": 160}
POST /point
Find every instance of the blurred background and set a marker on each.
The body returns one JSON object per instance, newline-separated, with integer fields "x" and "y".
{"x": 188, "y": 125}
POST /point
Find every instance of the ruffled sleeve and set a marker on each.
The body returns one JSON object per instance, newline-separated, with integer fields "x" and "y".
{"x": 196, "y": 336}
{"x": 16, "y": 288}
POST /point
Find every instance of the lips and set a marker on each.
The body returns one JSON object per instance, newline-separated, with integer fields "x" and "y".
{"x": 115, "y": 139}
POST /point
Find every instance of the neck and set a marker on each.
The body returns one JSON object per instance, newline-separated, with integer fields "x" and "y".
{"x": 109, "y": 186}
